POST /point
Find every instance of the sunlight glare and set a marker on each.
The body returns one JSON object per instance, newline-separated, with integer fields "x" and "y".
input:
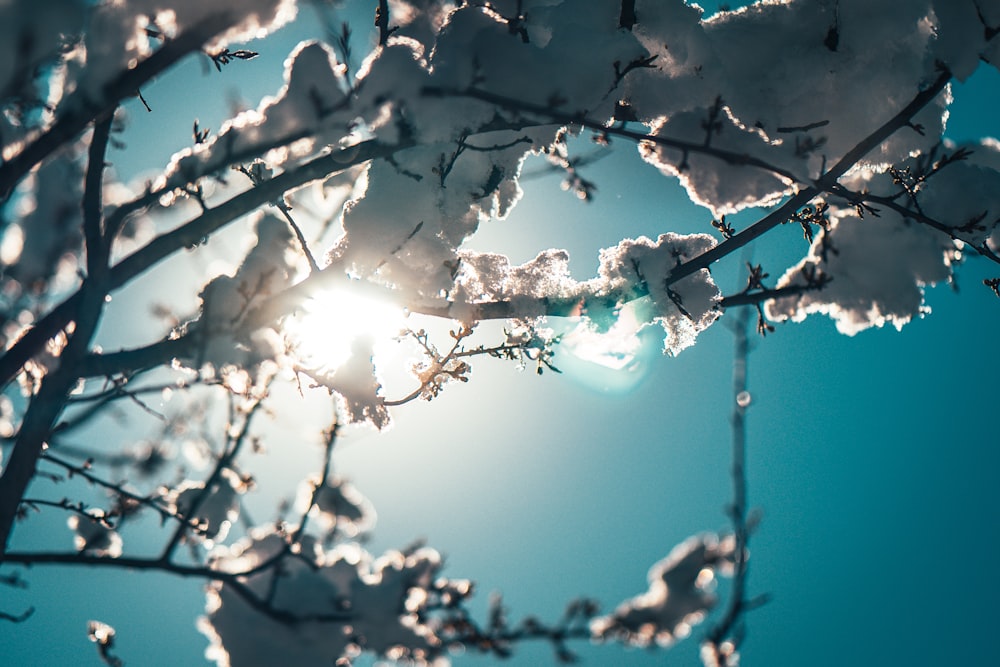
{"x": 330, "y": 323}
{"x": 615, "y": 349}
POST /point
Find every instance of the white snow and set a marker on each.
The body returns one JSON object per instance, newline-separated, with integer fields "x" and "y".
{"x": 679, "y": 595}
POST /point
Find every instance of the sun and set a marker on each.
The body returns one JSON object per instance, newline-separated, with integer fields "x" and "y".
{"x": 324, "y": 332}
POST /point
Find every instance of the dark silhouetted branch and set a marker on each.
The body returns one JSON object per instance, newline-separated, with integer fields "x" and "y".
{"x": 126, "y": 85}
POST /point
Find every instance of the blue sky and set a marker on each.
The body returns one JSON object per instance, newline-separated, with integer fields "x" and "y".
{"x": 872, "y": 458}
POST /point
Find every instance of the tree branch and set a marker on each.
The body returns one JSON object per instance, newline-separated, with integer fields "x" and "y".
{"x": 751, "y": 298}
{"x": 93, "y": 209}
{"x": 721, "y": 640}
{"x": 235, "y": 580}
{"x": 382, "y": 22}
{"x": 84, "y": 472}
{"x": 127, "y": 83}
{"x": 46, "y": 406}
{"x": 184, "y": 236}
{"x": 822, "y": 184}
{"x": 580, "y": 119}
{"x": 235, "y": 441}
{"x": 276, "y": 307}
{"x": 919, "y": 216}
{"x": 43, "y": 410}
{"x": 17, "y": 618}
{"x": 328, "y": 444}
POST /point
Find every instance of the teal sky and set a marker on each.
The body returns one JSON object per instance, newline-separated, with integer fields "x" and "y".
{"x": 872, "y": 458}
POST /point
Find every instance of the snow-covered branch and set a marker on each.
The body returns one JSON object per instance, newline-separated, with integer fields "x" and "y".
{"x": 370, "y": 177}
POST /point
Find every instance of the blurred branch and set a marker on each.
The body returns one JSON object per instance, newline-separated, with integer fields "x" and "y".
{"x": 382, "y": 22}
{"x": 83, "y": 471}
{"x": 138, "y": 359}
{"x": 187, "y": 235}
{"x": 46, "y": 406}
{"x": 18, "y": 618}
{"x": 235, "y": 438}
{"x": 329, "y": 441}
{"x": 234, "y": 580}
{"x": 103, "y": 635}
{"x": 126, "y": 85}
{"x": 93, "y": 209}
{"x": 43, "y": 410}
{"x": 498, "y": 637}
{"x": 751, "y": 298}
{"x": 723, "y": 640}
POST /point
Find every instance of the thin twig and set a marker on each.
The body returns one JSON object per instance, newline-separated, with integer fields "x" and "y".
{"x": 17, "y": 618}
{"x": 235, "y": 441}
{"x": 328, "y": 444}
{"x": 152, "y": 502}
{"x": 551, "y": 115}
{"x": 313, "y": 266}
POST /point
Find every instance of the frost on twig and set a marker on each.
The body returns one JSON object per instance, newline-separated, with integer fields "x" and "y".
{"x": 356, "y": 386}
{"x": 640, "y": 268}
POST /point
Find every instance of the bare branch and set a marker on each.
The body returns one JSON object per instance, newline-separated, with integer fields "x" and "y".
{"x": 235, "y": 441}
{"x": 749, "y": 298}
{"x": 382, "y": 22}
{"x": 83, "y": 471}
{"x": 18, "y": 618}
{"x": 46, "y": 406}
{"x": 258, "y": 174}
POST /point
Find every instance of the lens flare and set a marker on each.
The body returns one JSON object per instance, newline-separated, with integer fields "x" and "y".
{"x": 613, "y": 361}
{"x": 615, "y": 349}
